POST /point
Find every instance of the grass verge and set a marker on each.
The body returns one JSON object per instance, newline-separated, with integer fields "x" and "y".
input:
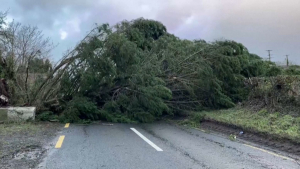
{"x": 282, "y": 126}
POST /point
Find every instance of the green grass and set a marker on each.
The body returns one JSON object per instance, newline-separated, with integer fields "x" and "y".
{"x": 16, "y": 128}
{"x": 3, "y": 115}
{"x": 283, "y": 126}
{"x": 194, "y": 120}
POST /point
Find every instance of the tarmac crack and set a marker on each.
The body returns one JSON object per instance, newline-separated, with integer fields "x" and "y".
{"x": 181, "y": 151}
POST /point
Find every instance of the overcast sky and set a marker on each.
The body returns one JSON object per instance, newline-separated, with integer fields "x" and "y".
{"x": 258, "y": 24}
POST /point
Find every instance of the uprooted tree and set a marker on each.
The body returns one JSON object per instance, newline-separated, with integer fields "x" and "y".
{"x": 136, "y": 70}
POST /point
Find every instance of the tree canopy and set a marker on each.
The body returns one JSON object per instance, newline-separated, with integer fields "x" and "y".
{"x": 137, "y": 70}
{"x": 134, "y": 70}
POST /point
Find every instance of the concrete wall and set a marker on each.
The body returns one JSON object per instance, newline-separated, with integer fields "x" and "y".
{"x": 17, "y": 113}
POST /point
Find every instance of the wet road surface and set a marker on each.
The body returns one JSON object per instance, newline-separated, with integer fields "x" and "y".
{"x": 154, "y": 146}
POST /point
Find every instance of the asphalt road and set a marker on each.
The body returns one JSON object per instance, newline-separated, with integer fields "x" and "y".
{"x": 155, "y": 146}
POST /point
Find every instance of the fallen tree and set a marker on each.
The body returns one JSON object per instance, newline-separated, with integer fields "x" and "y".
{"x": 136, "y": 70}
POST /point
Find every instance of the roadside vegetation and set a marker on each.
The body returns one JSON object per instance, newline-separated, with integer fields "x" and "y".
{"x": 272, "y": 108}
{"x": 136, "y": 71}
{"x": 276, "y": 124}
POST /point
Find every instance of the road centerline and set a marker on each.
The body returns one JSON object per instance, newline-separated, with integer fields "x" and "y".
{"x": 67, "y": 125}
{"x": 146, "y": 140}
{"x": 60, "y": 141}
{"x": 269, "y": 152}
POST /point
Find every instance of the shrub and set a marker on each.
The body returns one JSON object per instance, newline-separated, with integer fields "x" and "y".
{"x": 273, "y": 71}
{"x": 80, "y": 108}
{"x": 46, "y": 116}
{"x": 292, "y": 70}
{"x": 70, "y": 115}
{"x": 144, "y": 117}
{"x": 198, "y": 117}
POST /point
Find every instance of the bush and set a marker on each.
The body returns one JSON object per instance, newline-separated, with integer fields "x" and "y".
{"x": 274, "y": 71}
{"x": 70, "y": 115}
{"x": 46, "y": 116}
{"x": 80, "y": 108}
{"x": 144, "y": 117}
{"x": 292, "y": 70}
{"x": 198, "y": 117}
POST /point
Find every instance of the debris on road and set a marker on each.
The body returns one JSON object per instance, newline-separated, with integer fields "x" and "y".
{"x": 232, "y": 137}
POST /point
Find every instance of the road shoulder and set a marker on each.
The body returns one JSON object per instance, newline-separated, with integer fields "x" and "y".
{"x": 23, "y": 145}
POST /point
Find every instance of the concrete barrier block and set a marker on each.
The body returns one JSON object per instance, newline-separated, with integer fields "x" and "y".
{"x": 21, "y": 113}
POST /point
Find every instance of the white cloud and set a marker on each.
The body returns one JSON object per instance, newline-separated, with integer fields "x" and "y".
{"x": 63, "y": 34}
{"x": 73, "y": 25}
{"x": 190, "y": 20}
{"x": 8, "y": 19}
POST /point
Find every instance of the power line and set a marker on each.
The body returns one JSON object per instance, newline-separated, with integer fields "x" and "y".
{"x": 269, "y": 52}
{"x": 287, "y": 60}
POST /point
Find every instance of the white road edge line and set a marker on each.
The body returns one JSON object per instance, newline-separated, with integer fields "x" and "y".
{"x": 147, "y": 140}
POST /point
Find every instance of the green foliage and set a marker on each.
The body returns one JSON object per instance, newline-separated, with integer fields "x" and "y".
{"x": 24, "y": 64}
{"x": 263, "y": 112}
{"x": 273, "y": 70}
{"x": 121, "y": 80}
{"x": 271, "y": 123}
{"x": 292, "y": 70}
{"x": 69, "y": 115}
{"x": 47, "y": 116}
{"x": 232, "y": 137}
{"x": 137, "y": 71}
{"x": 144, "y": 117}
{"x": 198, "y": 117}
{"x": 37, "y": 65}
{"x": 276, "y": 93}
{"x": 194, "y": 119}
{"x": 255, "y": 67}
{"x": 7, "y": 69}
{"x": 79, "y": 108}
{"x": 142, "y": 31}
{"x": 40, "y": 66}
{"x": 229, "y": 60}
{"x": 285, "y": 122}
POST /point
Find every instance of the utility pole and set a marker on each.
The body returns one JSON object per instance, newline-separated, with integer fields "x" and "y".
{"x": 287, "y": 60}
{"x": 269, "y": 51}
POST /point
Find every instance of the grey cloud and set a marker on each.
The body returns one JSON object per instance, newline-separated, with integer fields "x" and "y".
{"x": 54, "y": 5}
{"x": 260, "y": 25}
